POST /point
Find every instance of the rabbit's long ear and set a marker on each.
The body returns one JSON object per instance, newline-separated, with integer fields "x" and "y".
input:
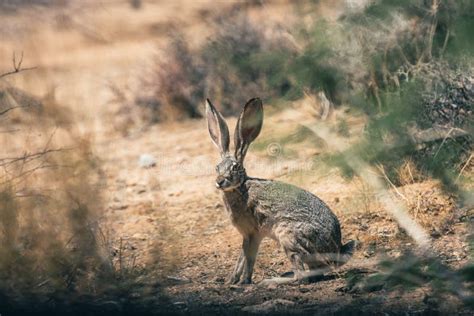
{"x": 248, "y": 127}
{"x": 217, "y": 128}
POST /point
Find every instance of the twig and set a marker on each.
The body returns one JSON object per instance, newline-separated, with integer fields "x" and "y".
{"x": 29, "y": 157}
{"x": 442, "y": 143}
{"x": 24, "y": 174}
{"x": 43, "y": 283}
{"x": 8, "y": 131}
{"x": 445, "y": 43}
{"x": 417, "y": 210}
{"x": 462, "y": 169}
{"x": 365, "y": 171}
{"x": 382, "y": 170}
{"x": 120, "y": 257}
{"x": 434, "y": 23}
{"x": 404, "y": 56}
{"x": 12, "y": 108}
{"x": 16, "y": 67}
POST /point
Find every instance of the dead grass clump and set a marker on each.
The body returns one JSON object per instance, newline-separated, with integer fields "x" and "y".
{"x": 431, "y": 207}
{"x": 408, "y": 173}
{"x": 177, "y": 85}
{"x": 13, "y": 98}
{"x": 19, "y": 107}
{"x": 54, "y": 255}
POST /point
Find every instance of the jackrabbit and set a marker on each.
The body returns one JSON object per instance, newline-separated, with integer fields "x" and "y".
{"x": 304, "y": 226}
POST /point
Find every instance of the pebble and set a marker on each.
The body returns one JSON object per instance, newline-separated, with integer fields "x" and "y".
{"x": 304, "y": 289}
{"x": 146, "y": 161}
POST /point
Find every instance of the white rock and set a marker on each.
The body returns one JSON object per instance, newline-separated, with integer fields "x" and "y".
{"x": 146, "y": 161}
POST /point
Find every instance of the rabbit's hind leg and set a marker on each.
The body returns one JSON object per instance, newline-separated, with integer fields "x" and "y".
{"x": 294, "y": 252}
{"x": 298, "y": 272}
{"x": 317, "y": 271}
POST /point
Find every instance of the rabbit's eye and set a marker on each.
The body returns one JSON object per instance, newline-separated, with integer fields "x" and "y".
{"x": 234, "y": 166}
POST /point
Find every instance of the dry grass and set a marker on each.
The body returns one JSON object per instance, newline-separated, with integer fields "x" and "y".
{"x": 55, "y": 255}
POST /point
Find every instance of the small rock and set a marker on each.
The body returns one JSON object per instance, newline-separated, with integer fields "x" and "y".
{"x": 219, "y": 279}
{"x": 272, "y": 286}
{"x": 435, "y": 234}
{"x": 146, "y": 161}
{"x": 236, "y": 288}
{"x": 178, "y": 280}
{"x": 111, "y": 306}
{"x": 304, "y": 289}
{"x": 119, "y": 207}
{"x": 180, "y": 304}
{"x": 139, "y": 236}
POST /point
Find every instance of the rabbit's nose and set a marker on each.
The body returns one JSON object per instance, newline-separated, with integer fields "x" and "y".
{"x": 220, "y": 183}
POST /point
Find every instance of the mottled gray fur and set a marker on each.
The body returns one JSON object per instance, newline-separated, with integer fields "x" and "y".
{"x": 304, "y": 226}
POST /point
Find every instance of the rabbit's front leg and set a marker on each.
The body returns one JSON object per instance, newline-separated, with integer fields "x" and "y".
{"x": 239, "y": 268}
{"x": 250, "y": 249}
{"x": 246, "y": 260}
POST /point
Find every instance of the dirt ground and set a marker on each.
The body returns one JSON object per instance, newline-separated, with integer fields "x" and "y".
{"x": 174, "y": 206}
{"x": 171, "y": 217}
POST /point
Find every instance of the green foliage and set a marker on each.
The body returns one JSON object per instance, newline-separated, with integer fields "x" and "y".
{"x": 383, "y": 60}
{"x": 410, "y": 271}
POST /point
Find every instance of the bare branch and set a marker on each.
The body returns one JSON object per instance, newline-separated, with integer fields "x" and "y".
{"x": 16, "y": 67}
{"x": 8, "y": 131}
{"x": 464, "y": 167}
{"x": 28, "y": 157}
{"x": 12, "y": 108}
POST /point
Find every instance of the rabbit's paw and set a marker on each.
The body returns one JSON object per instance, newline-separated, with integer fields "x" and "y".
{"x": 233, "y": 279}
{"x": 245, "y": 281}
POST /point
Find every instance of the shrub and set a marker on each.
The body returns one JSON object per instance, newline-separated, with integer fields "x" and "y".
{"x": 411, "y": 271}
{"x": 409, "y": 73}
{"x": 176, "y": 87}
{"x": 239, "y": 61}
{"x": 55, "y": 256}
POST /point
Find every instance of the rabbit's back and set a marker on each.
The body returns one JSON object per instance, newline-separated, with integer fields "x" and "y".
{"x": 291, "y": 214}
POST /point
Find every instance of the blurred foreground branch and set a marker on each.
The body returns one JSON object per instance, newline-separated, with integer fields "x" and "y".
{"x": 370, "y": 176}
{"x": 437, "y": 133}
